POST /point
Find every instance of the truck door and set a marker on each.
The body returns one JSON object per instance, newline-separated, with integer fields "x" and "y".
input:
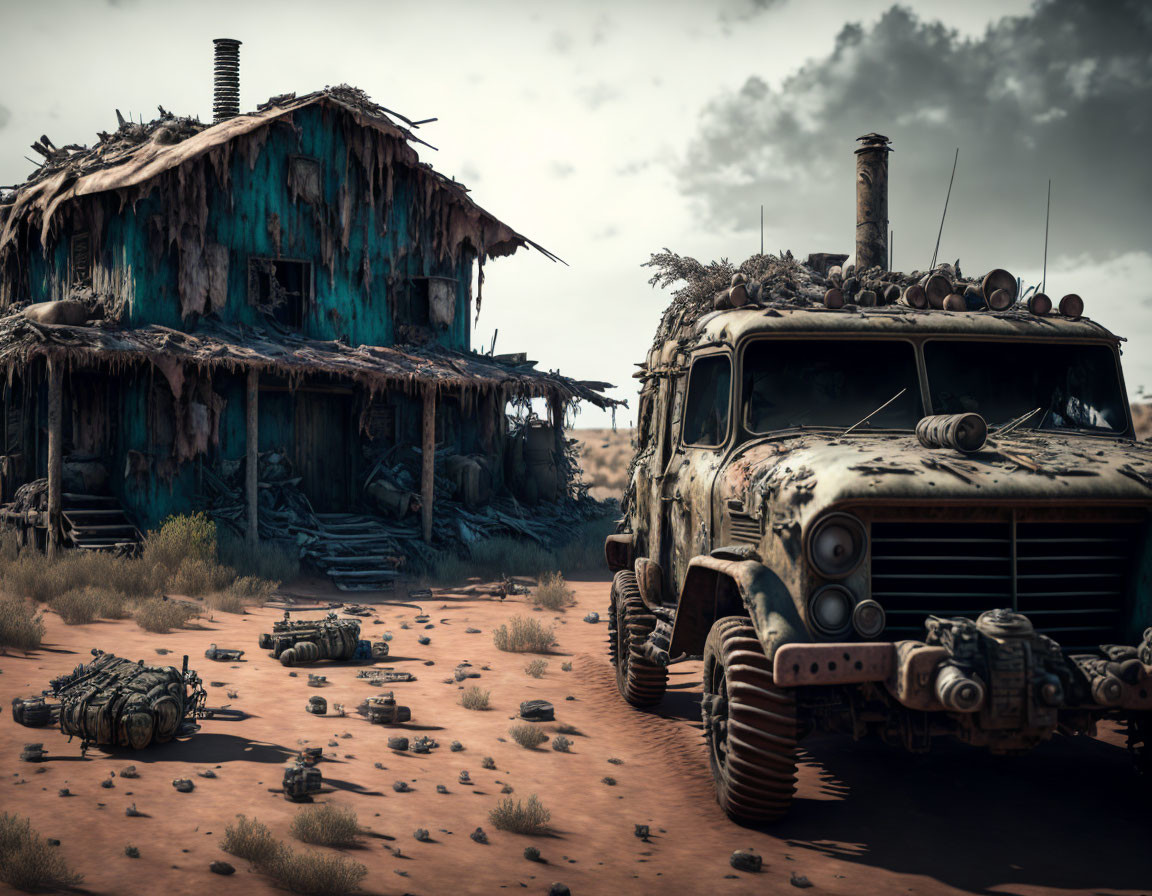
{"x": 686, "y": 488}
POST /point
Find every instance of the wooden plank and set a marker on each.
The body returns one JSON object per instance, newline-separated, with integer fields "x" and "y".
{"x": 251, "y": 471}
{"x": 428, "y": 463}
{"x": 55, "y": 454}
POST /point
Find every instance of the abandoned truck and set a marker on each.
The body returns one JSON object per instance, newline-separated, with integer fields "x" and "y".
{"x": 801, "y": 517}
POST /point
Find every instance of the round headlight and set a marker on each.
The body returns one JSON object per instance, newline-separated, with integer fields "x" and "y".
{"x": 830, "y": 610}
{"x": 837, "y": 545}
{"x": 868, "y": 618}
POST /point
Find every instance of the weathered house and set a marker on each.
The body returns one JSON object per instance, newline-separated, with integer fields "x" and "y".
{"x": 293, "y": 283}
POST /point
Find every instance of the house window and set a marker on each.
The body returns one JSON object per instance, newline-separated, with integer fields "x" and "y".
{"x": 80, "y": 260}
{"x": 418, "y": 310}
{"x": 304, "y": 179}
{"x": 281, "y": 288}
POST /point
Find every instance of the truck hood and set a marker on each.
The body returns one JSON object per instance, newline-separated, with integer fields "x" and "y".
{"x": 795, "y": 477}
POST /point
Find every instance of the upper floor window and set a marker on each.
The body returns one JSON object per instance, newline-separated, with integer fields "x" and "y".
{"x": 304, "y": 179}
{"x": 281, "y": 288}
{"x": 80, "y": 260}
{"x": 709, "y": 398}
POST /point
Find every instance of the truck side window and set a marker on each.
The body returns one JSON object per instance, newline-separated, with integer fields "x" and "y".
{"x": 706, "y": 414}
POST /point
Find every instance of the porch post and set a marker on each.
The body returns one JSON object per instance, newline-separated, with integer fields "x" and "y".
{"x": 55, "y": 453}
{"x": 252, "y": 442}
{"x": 428, "y": 464}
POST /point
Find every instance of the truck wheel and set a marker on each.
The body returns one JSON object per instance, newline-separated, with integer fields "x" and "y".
{"x": 749, "y": 723}
{"x": 629, "y": 625}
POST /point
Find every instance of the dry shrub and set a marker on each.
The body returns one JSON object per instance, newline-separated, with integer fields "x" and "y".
{"x": 315, "y": 874}
{"x": 34, "y": 576}
{"x": 28, "y": 863}
{"x": 523, "y": 635}
{"x": 87, "y": 603}
{"x": 528, "y": 817}
{"x": 195, "y": 577}
{"x": 536, "y": 668}
{"x": 157, "y": 614}
{"x": 309, "y": 873}
{"x": 552, "y": 593}
{"x": 527, "y": 735}
{"x": 474, "y": 698}
{"x": 250, "y": 839}
{"x": 326, "y": 825}
{"x": 9, "y": 545}
{"x": 21, "y": 627}
{"x": 247, "y": 591}
{"x": 180, "y": 538}
{"x": 267, "y": 560}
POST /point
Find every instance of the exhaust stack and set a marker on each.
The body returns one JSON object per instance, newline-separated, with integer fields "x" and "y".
{"x": 226, "y": 80}
{"x": 872, "y": 202}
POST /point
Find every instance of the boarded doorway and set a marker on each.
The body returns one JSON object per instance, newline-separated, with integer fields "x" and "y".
{"x": 324, "y": 458}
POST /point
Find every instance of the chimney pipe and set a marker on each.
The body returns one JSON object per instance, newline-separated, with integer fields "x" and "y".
{"x": 872, "y": 202}
{"x": 226, "y": 80}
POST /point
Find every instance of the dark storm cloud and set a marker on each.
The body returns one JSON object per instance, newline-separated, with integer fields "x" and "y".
{"x": 1063, "y": 92}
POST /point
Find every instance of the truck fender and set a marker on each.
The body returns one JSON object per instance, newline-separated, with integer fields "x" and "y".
{"x": 715, "y": 587}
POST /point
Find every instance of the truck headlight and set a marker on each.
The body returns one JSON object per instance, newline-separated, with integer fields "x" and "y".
{"x": 830, "y": 610}
{"x": 837, "y": 544}
{"x": 868, "y": 618}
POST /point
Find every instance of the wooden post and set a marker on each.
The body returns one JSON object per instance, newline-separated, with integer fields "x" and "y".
{"x": 428, "y": 462}
{"x": 556, "y": 405}
{"x": 55, "y": 454}
{"x": 252, "y": 465}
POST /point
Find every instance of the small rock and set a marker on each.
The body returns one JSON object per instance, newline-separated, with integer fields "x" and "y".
{"x": 559, "y": 890}
{"x": 293, "y": 675}
{"x": 615, "y": 761}
{"x": 471, "y": 631}
{"x": 401, "y": 786}
{"x": 569, "y": 697}
{"x": 129, "y": 771}
{"x": 423, "y": 745}
{"x": 424, "y": 640}
{"x": 456, "y": 746}
{"x": 531, "y": 853}
{"x": 133, "y": 812}
{"x": 561, "y": 744}
{"x": 131, "y": 851}
{"x": 206, "y": 773}
{"x": 64, "y": 791}
{"x": 464, "y": 778}
{"x": 429, "y": 662}
{"x": 609, "y": 780}
{"x": 488, "y": 762}
{"x": 799, "y": 880}
{"x": 440, "y": 788}
{"x": 537, "y": 711}
{"x": 107, "y": 782}
{"x": 184, "y": 785}
{"x": 422, "y": 835}
{"x": 479, "y": 836}
{"x": 642, "y": 831}
{"x": 592, "y": 617}
{"x": 221, "y": 868}
{"x": 746, "y": 860}
{"x": 507, "y": 788}
{"x": 379, "y": 765}
{"x": 52, "y": 841}
{"x": 397, "y": 743}
{"x": 565, "y": 667}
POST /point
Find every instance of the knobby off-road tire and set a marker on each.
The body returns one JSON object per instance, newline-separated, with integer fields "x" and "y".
{"x": 749, "y": 723}
{"x": 629, "y": 625}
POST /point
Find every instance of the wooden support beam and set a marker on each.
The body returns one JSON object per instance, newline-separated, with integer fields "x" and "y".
{"x": 252, "y": 464}
{"x": 428, "y": 462}
{"x": 55, "y": 454}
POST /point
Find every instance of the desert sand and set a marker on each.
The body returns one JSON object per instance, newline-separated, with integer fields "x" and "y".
{"x": 868, "y": 819}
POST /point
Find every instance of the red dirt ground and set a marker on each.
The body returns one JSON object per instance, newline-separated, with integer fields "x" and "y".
{"x": 868, "y": 819}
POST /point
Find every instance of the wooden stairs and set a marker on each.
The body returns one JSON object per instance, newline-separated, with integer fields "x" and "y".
{"x": 98, "y": 523}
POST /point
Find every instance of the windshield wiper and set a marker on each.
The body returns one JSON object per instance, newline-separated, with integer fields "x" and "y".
{"x": 1006, "y": 428}
{"x": 875, "y": 412}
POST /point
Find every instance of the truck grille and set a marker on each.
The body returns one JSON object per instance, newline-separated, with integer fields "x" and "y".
{"x": 1069, "y": 578}
{"x": 744, "y": 528}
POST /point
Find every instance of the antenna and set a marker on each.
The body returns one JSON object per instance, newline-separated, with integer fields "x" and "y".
{"x": 761, "y": 228}
{"x": 936, "y": 251}
{"x": 891, "y": 248}
{"x": 1047, "y": 214}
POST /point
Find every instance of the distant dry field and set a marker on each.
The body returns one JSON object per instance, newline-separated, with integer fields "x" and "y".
{"x": 1142, "y": 418}
{"x": 604, "y": 457}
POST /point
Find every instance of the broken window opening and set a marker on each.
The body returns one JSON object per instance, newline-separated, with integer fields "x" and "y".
{"x": 706, "y": 413}
{"x": 281, "y": 288}
{"x": 304, "y": 179}
{"x": 80, "y": 260}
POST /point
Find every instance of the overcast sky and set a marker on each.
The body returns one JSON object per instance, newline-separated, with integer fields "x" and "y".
{"x": 606, "y": 131}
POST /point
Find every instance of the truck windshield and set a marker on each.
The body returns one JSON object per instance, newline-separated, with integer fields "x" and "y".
{"x": 828, "y": 382}
{"x": 1075, "y": 386}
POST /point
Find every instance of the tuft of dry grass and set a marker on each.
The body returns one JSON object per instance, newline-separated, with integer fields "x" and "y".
{"x": 474, "y": 698}
{"x": 247, "y": 591}
{"x": 536, "y": 668}
{"x": 552, "y": 593}
{"x": 195, "y": 577}
{"x": 528, "y": 817}
{"x": 179, "y": 538}
{"x": 28, "y": 862}
{"x": 88, "y": 603}
{"x": 523, "y": 635}
{"x": 309, "y": 873}
{"x": 326, "y": 825}
{"x": 157, "y": 614}
{"x": 527, "y": 735}
{"x": 21, "y": 626}
{"x": 249, "y": 839}
{"x": 268, "y": 560}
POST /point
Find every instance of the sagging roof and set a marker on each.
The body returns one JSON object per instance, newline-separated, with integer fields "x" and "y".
{"x": 896, "y": 320}
{"x": 235, "y": 347}
{"x": 136, "y": 153}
